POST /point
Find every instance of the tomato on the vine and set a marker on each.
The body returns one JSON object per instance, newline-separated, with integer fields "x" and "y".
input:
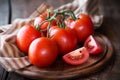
{"x": 69, "y": 22}
{"x": 76, "y": 57}
{"x": 41, "y": 18}
{"x": 43, "y": 52}
{"x": 82, "y": 26}
{"x": 38, "y": 21}
{"x": 53, "y": 30}
{"x": 86, "y": 19}
{"x": 25, "y": 36}
{"x": 65, "y": 39}
{"x": 92, "y": 45}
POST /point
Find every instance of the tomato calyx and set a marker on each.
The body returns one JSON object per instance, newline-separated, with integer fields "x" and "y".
{"x": 52, "y": 17}
{"x": 57, "y": 13}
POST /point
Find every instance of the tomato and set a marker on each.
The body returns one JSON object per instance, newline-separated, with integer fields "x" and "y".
{"x": 42, "y": 52}
{"x": 43, "y": 27}
{"x": 65, "y": 38}
{"x": 86, "y": 19}
{"x": 25, "y": 36}
{"x": 38, "y": 20}
{"x": 69, "y": 22}
{"x": 53, "y": 30}
{"x": 77, "y": 57}
{"x": 41, "y": 18}
{"x": 82, "y": 26}
{"x": 93, "y": 46}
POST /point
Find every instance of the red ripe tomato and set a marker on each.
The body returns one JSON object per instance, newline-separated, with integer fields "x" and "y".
{"x": 39, "y": 20}
{"x": 25, "y": 36}
{"x": 77, "y": 57}
{"x": 65, "y": 39}
{"x": 93, "y": 45}
{"x": 42, "y": 52}
{"x": 82, "y": 26}
{"x": 53, "y": 30}
{"x": 42, "y": 18}
{"x": 86, "y": 19}
{"x": 44, "y": 15}
{"x": 82, "y": 30}
{"x": 69, "y": 22}
{"x": 43, "y": 27}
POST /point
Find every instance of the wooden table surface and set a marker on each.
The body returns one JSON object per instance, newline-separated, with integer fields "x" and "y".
{"x": 12, "y": 9}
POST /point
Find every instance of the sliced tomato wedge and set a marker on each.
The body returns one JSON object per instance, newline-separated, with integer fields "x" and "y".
{"x": 77, "y": 57}
{"x": 92, "y": 45}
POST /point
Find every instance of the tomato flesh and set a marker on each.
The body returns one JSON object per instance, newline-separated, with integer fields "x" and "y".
{"x": 93, "y": 46}
{"x": 77, "y": 57}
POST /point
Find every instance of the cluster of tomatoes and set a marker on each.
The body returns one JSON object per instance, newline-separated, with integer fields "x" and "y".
{"x": 54, "y": 35}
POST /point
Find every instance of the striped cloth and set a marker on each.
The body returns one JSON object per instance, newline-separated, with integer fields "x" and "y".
{"x": 11, "y": 58}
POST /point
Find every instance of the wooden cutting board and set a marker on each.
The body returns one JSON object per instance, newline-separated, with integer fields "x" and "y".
{"x": 61, "y": 70}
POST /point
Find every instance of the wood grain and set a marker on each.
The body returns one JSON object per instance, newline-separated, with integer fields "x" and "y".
{"x": 24, "y": 8}
{"x": 3, "y": 20}
{"x": 3, "y": 12}
{"x": 61, "y": 70}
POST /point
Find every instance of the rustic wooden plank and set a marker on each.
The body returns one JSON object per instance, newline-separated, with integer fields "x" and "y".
{"x": 3, "y": 73}
{"x": 57, "y": 3}
{"x": 111, "y": 29}
{"x": 4, "y": 13}
{"x": 14, "y": 76}
{"x": 24, "y": 8}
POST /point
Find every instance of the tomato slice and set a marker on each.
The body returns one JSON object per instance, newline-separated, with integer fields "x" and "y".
{"x": 77, "y": 57}
{"x": 92, "y": 45}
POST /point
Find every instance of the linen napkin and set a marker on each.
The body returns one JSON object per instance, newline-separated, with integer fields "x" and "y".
{"x": 11, "y": 58}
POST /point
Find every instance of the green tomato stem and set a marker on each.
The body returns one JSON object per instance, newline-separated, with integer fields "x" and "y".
{"x": 50, "y": 18}
{"x": 71, "y": 14}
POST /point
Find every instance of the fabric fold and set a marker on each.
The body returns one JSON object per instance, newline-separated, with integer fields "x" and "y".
{"x": 11, "y": 58}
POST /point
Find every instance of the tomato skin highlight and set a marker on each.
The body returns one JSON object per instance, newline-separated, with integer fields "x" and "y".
{"x": 25, "y": 36}
{"x": 41, "y": 18}
{"x": 86, "y": 19}
{"x": 65, "y": 39}
{"x": 93, "y": 46}
{"x": 83, "y": 27}
{"x": 76, "y": 57}
{"x": 43, "y": 52}
{"x": 82, "y": 30}
{"x": 43, "y": 28}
